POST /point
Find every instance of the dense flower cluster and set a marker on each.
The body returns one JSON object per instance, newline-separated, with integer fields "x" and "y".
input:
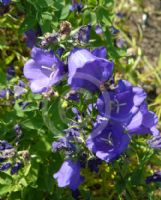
{"x": 122, "y": 110}
{"x": 7, "y": 151}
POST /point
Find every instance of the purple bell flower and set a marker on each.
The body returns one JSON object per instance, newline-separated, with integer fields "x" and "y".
{"x": 87, "y": 70}
{"x": 123, "y": 102}
{"x": 16, "y": 168}
{"x": 69, "y": 175}
{"x": 143, "y": 122}
{"x": 155, "y": 142}
{"x": 5, "y": 166}
{"x": 23, "y": 105}
{"x": 119, "y": 42}
{"x": 43, "y": 70}
{"x": 5, "y": 145}
{"x": 62, "y": 143}
{"x": 10, "y": 72}
{"x": 156, "y": 177}
{"x": 5, "y": 2}
{"x": 76, "y": 6}
{"x": 113, "y": 30}
{"x": 84, "y": 33}
{"x": 30, "y": 37}
{"x": 108, "y": 144}
{"x": 3, "y": 93}
{"x": 98, "y": 29}
{"x": 19, "y": 89}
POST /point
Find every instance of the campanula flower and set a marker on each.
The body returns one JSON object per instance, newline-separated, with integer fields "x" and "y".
{"x": 84, "y": 33}
{"x": 30, "y": 37}
{"x": 143, "y": 122}
{"x": 16, "y": 168}
{"x": 3, "y": 93}
{"x": 88, "y": 71}
{"x": 155, "y": 142}
{"x": 156, "y": 177}
{"x": 5, "y": 166}
{"x": 123, "y": 102}
{"x": 76, "y": 6}
{"x": 98, "y": 29}
{"x": 69, "y": 175}
{"x": 43, "y": 70}
{"x": 109, "y": 143}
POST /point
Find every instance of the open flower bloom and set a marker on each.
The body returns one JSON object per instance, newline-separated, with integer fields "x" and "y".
{"x": 69, "y": 175}
{"x": 143, "y": 122}
{"x": 109, "y": 143}
{"x": 43, "y": 70}
{"x": 87, "y": 70}
{"x": 123, "y": 102}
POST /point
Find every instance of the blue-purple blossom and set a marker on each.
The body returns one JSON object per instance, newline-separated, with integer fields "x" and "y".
{"x": 30, "y": 38}
{"x": 23, "y": 105}
{"x": 109, "y": 143}
{"x": 5, "y": 145}
{"x": 143, "y": 122}
{"x": 60, "y": 51}
{"x": 5, "y": 2}
{"x": 43, "y": 70}
{"x": 10, "y": 72}
{"x": 62, "y": 144}
{"x": 76, "y": 6}
{"x": 156, "y": 177}
{"x": 84, "y": 33}
{"x": 18, "y": 130}
{"x": 122, "y": 102}
{"x": 5, "y": 166}
{"x": 120, "y": 15}
{"x": 113, "y": 30}
{"x": 69, "y": 175}
{"x": 87, "y": 70}
{"x": 98, "y": 29}
{"x": 3, "y": 93}
{"x": 155, "y": 142}
{"x": 16, "y": 168}
{"x": 19, "y": 89}
{"x": 119, "y": 42}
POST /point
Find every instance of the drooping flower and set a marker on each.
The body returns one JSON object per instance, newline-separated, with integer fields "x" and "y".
{"x": 69, "y": 175}
{"x": 109, "y": 143}
{"x": 123, "y": 102}
{"x": 156, "y": 177}
{"x": 98, "y": 29}
{"x": 87, "y": 70}
{"x": 43, "y": 70}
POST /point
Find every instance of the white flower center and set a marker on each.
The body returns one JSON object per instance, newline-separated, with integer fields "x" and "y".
{"x": 52, "y": 69}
